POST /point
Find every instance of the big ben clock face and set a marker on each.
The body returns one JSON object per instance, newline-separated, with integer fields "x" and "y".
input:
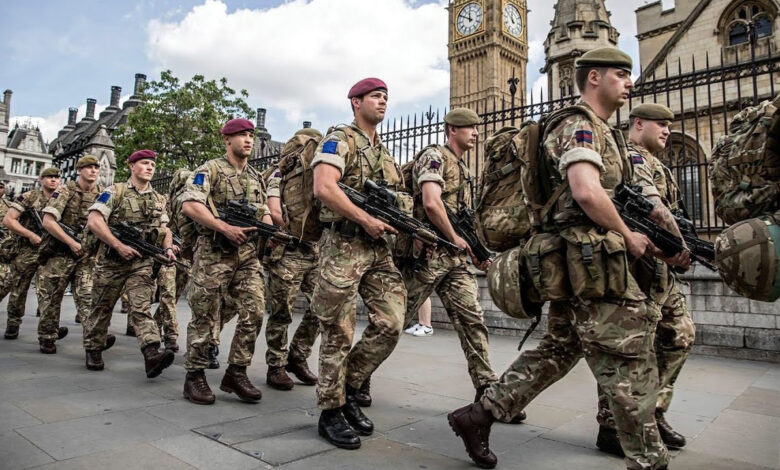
{"x": 469, "y": 18}
{"x": 513, "y": 20}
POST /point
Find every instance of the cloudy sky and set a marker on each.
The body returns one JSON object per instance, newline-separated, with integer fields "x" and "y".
{"x": 296, "y": 58}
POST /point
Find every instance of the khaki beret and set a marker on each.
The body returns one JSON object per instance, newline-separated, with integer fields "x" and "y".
{"x": 309, "y": 132}
{"x": 605, "y": 57}
{"x": 51, "y": 171}
{"x": 652, "y": 111}
{"x": 87, "y": 160}
{"x": 460, "y": 117}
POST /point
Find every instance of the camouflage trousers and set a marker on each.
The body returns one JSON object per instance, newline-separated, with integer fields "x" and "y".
{"x": 674, "y": 337}
{"x": 218, "y": 275}
{"x": 5, "y": 274}
{"x": 109, "y": 278}
{"x": 617, "y": 343}
{"x": 53, "y": 280}
{"x": 290, "y": 270}
{"x": 21, "y": 273}
{"x": 171, "y": 281}
{"x": 348, "y": 267}
{"x": 457, "y": 288}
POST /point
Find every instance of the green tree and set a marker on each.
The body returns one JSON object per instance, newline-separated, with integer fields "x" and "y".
{"x": 179, "y": 121}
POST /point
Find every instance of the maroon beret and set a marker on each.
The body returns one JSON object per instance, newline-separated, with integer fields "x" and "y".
{"x": 366, "y": 85}
{"x": 234, "y": 126}
{"x": 142, "y": 154}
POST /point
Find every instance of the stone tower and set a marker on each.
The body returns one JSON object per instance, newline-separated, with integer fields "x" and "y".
{"x": 488, "y": 45}
{"x": 577, "y": 27}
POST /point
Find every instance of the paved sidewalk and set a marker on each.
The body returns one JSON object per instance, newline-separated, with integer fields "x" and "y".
{"x": 56, "y": 414}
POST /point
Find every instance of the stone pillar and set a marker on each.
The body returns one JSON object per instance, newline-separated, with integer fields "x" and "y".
{"x": 90, "y": 116}
{"x": 140, "y": 83}
{"x": 72, "y": 114}
{"x": 7, "y": 101}
{"x": 115, "y": 94}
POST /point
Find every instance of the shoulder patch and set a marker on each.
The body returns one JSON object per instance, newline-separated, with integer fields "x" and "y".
{"x": 55, "y": 195}
{"x": 434, "y": 165}
{"x": 104, "y": 197}
{"x": 199, "y": 178}
{"x": 277, "y": 174}
{"x": 20, "y": 198}
{"x": 330, "y": 146}
{"x": 583, "y": 136}
{"x": 637, "y": 159}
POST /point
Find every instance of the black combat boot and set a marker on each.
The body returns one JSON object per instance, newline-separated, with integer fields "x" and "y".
{"x": 47, "y": 346}
{"x": 213, "y": 353}
{"x": 95, "y": 360}
{"x": 607, "y": 441}
{"x": 472, "y": 424}
{"x": 277, "y": 378}
{"x": 197, "y": 390}
{"x": 11, "y": 332}
{"x": 236, "y": 381}
{"x": 333, "y": 427}
{"x": 110, "y": 340}
{"x": 301, "y": 371}
{"x": 62, "y": 332}
{"x": 671, "y": 438}
{"x": 155, "y": 360}
{"x": 515, "y": 420}
{"x": 354, "y": 415}
{"x": 363, "y": 394}
{"x": 172, "y": 345}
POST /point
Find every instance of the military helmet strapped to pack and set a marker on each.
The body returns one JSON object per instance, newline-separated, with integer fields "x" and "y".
{"x": 508, "y": 287}
{"x": 747, "y": 255}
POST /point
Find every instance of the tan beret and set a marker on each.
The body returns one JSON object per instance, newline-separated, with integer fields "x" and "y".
{"x": 87, "y": 160}
{"x": 605, "y": 57}
{"x": 652, "y": 111}
{"x": 51, "y": 171}
{"x": 308, "y": 131}
{"x": 460, "y": 117}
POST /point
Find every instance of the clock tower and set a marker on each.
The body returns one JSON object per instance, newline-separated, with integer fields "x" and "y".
{"x": 488, "y": 45}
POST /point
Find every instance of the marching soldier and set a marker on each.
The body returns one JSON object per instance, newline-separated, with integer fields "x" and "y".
{"x": 5, "y": 204}
{"x": 69, "y": 261}
{"x": 610, "y": 326}
{"x": 355, "y": 257}
{"x": 226, "y": 266}
{"x": 121, "y": 266}
{"x": 290, "y": 270}
{"x": 21, "y": 220}
{"x": 675, "y": 332}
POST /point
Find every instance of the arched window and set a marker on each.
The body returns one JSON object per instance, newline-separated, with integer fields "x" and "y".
{"x": 736, "y": 20}
{"x": 686, "y": 159}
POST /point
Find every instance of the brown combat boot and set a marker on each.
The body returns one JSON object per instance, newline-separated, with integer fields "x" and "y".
{"x": 472, "y": 424}
{"x": 277, "y": 378}
{"x": 47, "y": 346}
{"x": 11, "y": 332}
{"x": 671, "y": 438}
{"x": 363, "y": 394}
{"x": 236, "y": 381}
{"x": 95, "y": 360}
{"x": 301, "y": 371}
{"x": 197, "y": 390}
{"x": 155, "y": 360}
{"x": 515, "y": 420}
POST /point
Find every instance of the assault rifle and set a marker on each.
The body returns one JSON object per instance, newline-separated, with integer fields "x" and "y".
{"x": 463, "y": 223}
{"x": 702, "y": 251}
{"x": 71, "y": 232}
{"x": 635, "y": 211}
{"x": 380, "y": 202}
{"x": 134, "y": 238}
{"x": 240, "y": 213}
{"x": 35, "y": 217}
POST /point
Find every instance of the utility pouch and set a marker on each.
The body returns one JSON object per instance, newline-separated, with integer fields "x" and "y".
{"x": 597, "y": 263}
{"x": 545, "y": 263}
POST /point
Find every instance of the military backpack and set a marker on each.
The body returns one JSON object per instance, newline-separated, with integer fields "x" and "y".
{"x": 180, "y": 224}
{"x": 296, "y": 188}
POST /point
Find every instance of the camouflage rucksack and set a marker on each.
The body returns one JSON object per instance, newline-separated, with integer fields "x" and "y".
{"x": 296, "y": 187}
{"x": 745, "y": 165}
{"x": 180, "y": 224}
{"x": 404, "y": 243}
{"x": 747, "y": 255}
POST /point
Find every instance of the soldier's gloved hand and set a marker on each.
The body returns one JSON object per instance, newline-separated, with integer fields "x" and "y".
{"x": 75, "y": 247}
{"x": 375, "y": 228}
{"x": 34, "y": 239}
{"x": 127, "y": 252}
{"x": 237, "y": 235}
{"x": 637, "y": 243}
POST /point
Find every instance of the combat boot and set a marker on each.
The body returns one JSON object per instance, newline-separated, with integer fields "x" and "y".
{"x": 277, "y": 378}
{"x": 363, "y": 394}
{"x": 213, "y": 361}
{"x": 95, "y": 360}
{"x": 110, "y": 340}
{"x": 47, "y": 346}
{"x": 155, "y": 360}
{"x": 78, "y": 318}
{"x": 671, "y": 438}
{"x": 130, "y": 331}
{"x": 236, "y": 381}
{"x": 515, "y": 420}
{"x": 301, "y": 371}
{"x": 333, "y": 427}
{"x": 62, "y": 332}
{"x": 11, "y": 332}
{"x": 472, "y": 424}
{"x": 197, "y": 390}
{"x": 608, "y": 442}
{"x": 354, "y": 415}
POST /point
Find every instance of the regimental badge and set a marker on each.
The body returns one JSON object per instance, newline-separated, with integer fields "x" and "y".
{"x": 583, "y": 136}
{"x": 637, "y": 159}
{"x": 55, "y": 194}
{"x": 104, "y": 197}
{"x": 434, "y": 165}
{"x": 330, "y": 147}
{"x": 199, "y": 178}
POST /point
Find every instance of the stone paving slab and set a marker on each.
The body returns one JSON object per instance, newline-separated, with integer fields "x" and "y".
{"x": 204, "y": 453}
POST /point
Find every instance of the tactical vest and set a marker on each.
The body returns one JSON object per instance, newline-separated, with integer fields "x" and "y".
{"x": 76, "y": 210}
{"x": 144, "y": 211}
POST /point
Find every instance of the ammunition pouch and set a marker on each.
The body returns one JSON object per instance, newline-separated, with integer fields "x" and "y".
{"x": 546, "y": 269}
{"x": 9, "y": 248}
{"x": 404, "y": 242}
{"x": 597, "y": 262}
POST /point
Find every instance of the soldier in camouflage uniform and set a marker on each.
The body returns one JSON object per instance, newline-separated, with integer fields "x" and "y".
{"x": 5, "y": 204}
{"x": 120, "y": 266}
{"x": 355, "y": 258}
{"x": 67, "y": 260}
{"x": 675, "y": 331}
{"x": 614, "y": 332}
{"x": 226, "y": 264}
{"x": 441, "y": 177}
{"x": 20, "y": 221}
{"x": 290, "y": 270}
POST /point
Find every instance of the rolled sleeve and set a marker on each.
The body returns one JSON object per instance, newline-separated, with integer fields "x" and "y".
{"x": 644, "y": 177}
{"x": 332, "y": 150}
{"x": 53, "y": 211}
{"x": 429, "y": 167}
{"x": 198, "y": 187}
{"x": 580, "y": 154}
{"x": 273, "y": 184}
{"x": 104, "y": 203}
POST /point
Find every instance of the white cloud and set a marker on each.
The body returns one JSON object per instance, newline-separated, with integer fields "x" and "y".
{"x": 301, "y": 57}
{"x": 538, "y": 89}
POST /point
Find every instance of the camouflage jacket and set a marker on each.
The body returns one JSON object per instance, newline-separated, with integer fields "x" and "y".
{"x": 70, "y": 204}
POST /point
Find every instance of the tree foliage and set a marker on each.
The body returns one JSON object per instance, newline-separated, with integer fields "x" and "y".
{"x": 180, "y": 121}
